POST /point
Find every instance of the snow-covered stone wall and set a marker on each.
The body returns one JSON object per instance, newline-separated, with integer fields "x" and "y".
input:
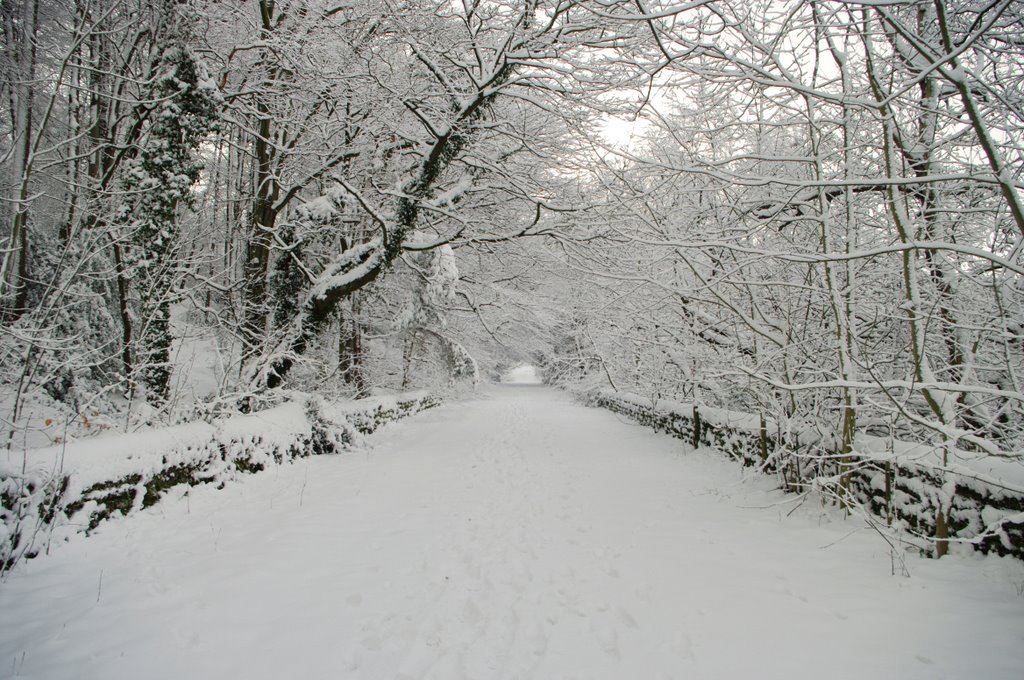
{"x": 49, "y": 493}
{"x": 899, "y": 484}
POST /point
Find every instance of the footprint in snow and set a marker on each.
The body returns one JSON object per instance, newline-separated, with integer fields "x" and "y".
{"x": 373, "y": 643}
{"x": 608, "y": 638}
{"x": 471, "y": 612}
{"x": 802, "y": 598}
{"x": 472, "y": 569}
{"x": 448, "y": 666}
{"x": 537, "y": 639}
{"x": 626, "y": 618}
{"x": 643, "y": 591}
{"x": 682, "y": 645}
{"x": 190, "y": 640}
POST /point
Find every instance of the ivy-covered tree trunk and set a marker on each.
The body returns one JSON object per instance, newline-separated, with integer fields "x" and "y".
{"x": 159, "y": 181}
{"x": 286, "y": 278}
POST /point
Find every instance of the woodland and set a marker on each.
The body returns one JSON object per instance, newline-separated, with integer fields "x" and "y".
{"x": 804, "y": 208}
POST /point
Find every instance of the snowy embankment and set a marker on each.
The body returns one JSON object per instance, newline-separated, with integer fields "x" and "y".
{"x": 515, "y": 536}
{"x": 899, "y": 483}
{"x": 50, "y": 493}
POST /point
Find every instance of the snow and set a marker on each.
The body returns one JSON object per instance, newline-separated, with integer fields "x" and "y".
{"x": 352, "y": 264}
{"x": 517, "y": 535}
{"x": 321, "y": 209}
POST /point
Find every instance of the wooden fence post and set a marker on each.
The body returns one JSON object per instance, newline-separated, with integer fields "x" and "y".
{"x": 941, "y": 532}
{"x": 697, "y": 426}
{"x": 763, "y": 432}
{"x": 888, "y": 494}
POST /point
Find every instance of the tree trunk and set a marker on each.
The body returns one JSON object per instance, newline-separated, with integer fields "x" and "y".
{"x": 14, "y": 273}
{"x": 125, "y": 314}
{"x": 258, "y": 248}
{"x": 351, "y": 350}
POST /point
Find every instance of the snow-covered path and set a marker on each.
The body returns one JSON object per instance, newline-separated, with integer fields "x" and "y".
{"x": 513, "y": 536}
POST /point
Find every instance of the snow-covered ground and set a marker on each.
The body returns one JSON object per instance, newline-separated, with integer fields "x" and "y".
{"x": 513, "y": 536}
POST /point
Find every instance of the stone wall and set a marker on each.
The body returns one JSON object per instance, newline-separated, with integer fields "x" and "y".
{"x": 51, "y": 493}
{"x": 900, "y": 493}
